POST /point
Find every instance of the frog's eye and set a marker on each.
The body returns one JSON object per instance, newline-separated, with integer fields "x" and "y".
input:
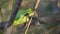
{"x": 29, "y": 10}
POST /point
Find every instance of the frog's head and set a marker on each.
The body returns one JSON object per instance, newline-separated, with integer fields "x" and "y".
{"x": 30, "y": 12}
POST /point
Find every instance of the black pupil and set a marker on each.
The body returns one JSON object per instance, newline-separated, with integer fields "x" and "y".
{"x": 26, "y": 14}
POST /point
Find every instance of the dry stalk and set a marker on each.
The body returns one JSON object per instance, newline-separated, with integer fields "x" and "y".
{"x": 31, "y": 18}
{"x": 28, "y": 26}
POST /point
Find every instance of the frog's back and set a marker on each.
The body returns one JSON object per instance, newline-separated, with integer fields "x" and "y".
{"x": 20, "y": 13}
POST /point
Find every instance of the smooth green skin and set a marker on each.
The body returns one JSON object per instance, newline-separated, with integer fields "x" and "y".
{"x": 21, "y": 18}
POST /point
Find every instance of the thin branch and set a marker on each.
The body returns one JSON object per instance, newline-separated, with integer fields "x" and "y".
{"x": 28, "y": 26}
{"x": 35, "y": 8}
{"x": 37, "y": 3}
{"x": 31, "y": 17}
